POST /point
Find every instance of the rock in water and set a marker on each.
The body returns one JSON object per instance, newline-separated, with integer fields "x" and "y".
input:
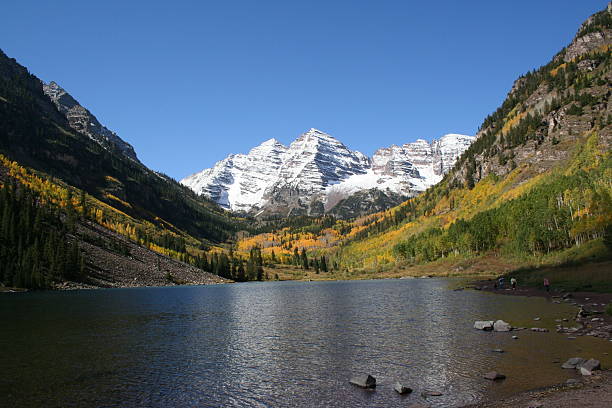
{"x": 401, "y": 389}
{"x": 501, "y": 326}
{"x": 426, "y": 394}
{"x": 364, "y": 381}
{"x": 494, "y": 375}
{"x": 497, "y": 350}
{"x": 573, "y": 363}
{"x": 484, "y": 324}
{"x": 589, "y": 366}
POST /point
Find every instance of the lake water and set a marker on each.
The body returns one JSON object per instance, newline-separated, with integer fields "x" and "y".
{"x": 279, "y": 344}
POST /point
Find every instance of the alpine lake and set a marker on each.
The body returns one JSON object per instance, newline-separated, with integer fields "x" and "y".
{"x": 277, "y": 344}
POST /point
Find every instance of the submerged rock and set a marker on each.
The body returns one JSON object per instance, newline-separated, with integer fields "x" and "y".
{"x": 539, "y": 329}
{"x": 484, "y": 324}
{"x": 363, "y": 381}
{"x": 426, "y": 394}
{"x": 497, "y": 350}
{"x": 493, "y": 375}
{"x": 401, "y": 389}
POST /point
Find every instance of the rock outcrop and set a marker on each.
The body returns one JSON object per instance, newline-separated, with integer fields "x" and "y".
{"x": 84, "y": 121}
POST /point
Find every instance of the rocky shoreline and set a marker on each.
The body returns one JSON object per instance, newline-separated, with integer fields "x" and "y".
{"x": 594, "y": 389}
{"x": 591, "y": 318}
{"x": 591, "y": 392}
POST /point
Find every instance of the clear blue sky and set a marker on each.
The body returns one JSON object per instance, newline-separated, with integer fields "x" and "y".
{"x": 188, "y": 82}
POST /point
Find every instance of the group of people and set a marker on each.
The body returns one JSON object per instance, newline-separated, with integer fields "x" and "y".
{"x": 499, "y": 283}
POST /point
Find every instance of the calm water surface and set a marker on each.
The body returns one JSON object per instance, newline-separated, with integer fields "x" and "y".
{"x": 273, "y": 344}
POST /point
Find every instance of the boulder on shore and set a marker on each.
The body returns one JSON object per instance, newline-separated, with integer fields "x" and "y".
{"x": 484, "y": 324}
{"x": 573, "y": 363}
{"x": 493, "y": 375}
{"x": 589, "y": 366}
{"x": 501, "y": 326}
{"x": 401, "y": 389}
{"x": 363, "y": 381}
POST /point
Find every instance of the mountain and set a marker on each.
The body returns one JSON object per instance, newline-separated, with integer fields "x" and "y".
{"x": 82, "y": 120}
{"x": 316, "y": 171}
{"x": 88, "y": 187}
{"x": 39, "y": 131}
{"x": 531, "y": 193}
{"x": 534, "y": 187}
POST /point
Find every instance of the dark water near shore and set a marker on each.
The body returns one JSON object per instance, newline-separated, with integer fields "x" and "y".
{"x": 274, "y": 344}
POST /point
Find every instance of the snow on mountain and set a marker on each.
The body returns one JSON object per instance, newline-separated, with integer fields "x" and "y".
{"x": 316, "y": 170}
{"x": 239, "y": 181}
{"x": 316, "y": 160}
{"x": 84, "y": 121}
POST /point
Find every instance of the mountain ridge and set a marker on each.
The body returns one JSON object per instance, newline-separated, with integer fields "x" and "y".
{"x": 82, "y": 120}
{"x": 316, "y": 171}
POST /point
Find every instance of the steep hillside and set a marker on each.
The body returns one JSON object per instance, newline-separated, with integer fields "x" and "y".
{"x": 534, "y": 188}
{"x": 70, "y": 185}
{"x": 537, "y": 179}
{"x": 35, "y": 133}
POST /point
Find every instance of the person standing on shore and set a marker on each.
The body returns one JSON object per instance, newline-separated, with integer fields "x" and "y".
{"x": 513, "y": 283}
{"x": 546, "y": 284}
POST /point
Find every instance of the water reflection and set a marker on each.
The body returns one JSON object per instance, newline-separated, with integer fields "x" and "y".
{"x": 272, "y": 344}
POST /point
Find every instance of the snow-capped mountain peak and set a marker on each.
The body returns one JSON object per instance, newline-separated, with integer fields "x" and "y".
{"x": 316, "y": 171}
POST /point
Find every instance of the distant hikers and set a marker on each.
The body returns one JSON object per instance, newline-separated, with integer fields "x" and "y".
{"x": 546, "y": 284}
{"x": 513, "y": 283}
{"x": 501, "y": 282}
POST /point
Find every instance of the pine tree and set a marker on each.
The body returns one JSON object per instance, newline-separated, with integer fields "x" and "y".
{"x": 304, "y": 259}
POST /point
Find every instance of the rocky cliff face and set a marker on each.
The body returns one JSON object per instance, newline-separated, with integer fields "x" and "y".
{"x": 84, "y": 121}
{"x": 316, "y": 172}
